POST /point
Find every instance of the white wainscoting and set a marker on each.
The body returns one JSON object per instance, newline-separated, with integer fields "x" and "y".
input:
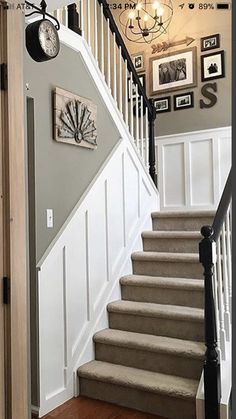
{"x": 193, "y": 168}
{"x": 80, "y": 273}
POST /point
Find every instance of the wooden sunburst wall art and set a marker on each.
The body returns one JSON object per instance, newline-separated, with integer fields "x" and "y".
{"x": 75, "y": 119}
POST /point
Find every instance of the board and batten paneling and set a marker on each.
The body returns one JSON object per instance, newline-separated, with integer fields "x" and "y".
{"x": 193, "y": 168}
{"x": 80, "y": 272}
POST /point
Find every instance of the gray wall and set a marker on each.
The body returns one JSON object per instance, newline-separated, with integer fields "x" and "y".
{"x": 195, "y": 24}
{"x": 63, "y": 172}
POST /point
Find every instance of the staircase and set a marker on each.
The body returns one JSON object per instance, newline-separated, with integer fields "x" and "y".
{"x": 151, "y": 357}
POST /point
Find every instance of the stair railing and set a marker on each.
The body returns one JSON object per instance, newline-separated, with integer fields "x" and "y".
{"x": 93, "y": 20}
{"x": 215, "y": 252}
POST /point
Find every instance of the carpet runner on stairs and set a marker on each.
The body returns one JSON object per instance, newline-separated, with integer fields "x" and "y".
{"x": 151, "y": 357}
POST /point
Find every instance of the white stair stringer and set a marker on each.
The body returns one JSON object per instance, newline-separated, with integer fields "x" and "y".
{"x": 79, "y": 274}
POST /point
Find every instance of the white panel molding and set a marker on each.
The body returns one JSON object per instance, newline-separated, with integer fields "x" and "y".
{"x": 209, "y": 152}
{"x": 80, "y": 272}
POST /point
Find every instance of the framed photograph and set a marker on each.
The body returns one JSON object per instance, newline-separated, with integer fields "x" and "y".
{"x": 132, "y": 89}
{"x": 210, "y": 42}
{"x": 173, "y": 71}
{"x": 213, "y": 66}
{"x": 183, "y": 101}
{"x": 163, "y": 104}
{"x": 138, "y": 61}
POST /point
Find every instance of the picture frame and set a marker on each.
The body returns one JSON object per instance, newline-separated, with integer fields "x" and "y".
{"x": 213, "y": 66}
{"x": 132, "y": 90}
{"x": 210, "y": 42}
{"x": 183, "y": 101}
{"x": 173, "y": 71}
{"x": 138, "y": 61}
{"x": 162, "y": 104}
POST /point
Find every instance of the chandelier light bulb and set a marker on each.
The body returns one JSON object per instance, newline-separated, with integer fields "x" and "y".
{"x": 156, "y": 5}
{"x": 145, "y": 18}
{"x": 160, "y": 12}
{"x": 139, "y": 6}
{"x": 131, "y": 15}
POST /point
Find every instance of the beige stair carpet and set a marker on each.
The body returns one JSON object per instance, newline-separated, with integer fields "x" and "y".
{"x": 151, "y": 357}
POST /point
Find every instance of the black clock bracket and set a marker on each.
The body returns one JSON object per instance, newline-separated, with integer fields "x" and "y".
{"x": 42, "y": 40}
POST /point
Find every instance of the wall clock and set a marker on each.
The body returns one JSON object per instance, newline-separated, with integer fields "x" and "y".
{"x": 42, "y": 40}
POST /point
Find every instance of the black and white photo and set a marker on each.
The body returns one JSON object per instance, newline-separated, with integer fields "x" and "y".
{"x": 132, "y": 89}
{"x": 138, "y": 61}
{"x": 173, "y": 71}
{"x": 213, "y": 66}
{"x": 210, "y": 42}
{"x": 183, "y": 101}
{"x": 163, "y": 104}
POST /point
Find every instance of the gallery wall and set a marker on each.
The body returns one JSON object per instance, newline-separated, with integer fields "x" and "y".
{"x": 194, "y": 24}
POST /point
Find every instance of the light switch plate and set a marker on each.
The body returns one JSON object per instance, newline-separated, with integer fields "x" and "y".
{"x": 49, "y": 218}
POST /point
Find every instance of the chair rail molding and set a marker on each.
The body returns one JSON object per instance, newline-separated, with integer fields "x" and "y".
{"x": 193, "y": 168}
{"x": 80, "y": 272}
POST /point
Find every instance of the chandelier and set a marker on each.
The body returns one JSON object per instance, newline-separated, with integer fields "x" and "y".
{"x": 147, "y": 20}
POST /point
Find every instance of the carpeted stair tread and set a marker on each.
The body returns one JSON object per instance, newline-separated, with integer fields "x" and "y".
{"x": 156, "y": 310}
{"x": 151, "y": 343}
{"x": 148, "y": 381}
{"x": 165, "y": 257}
{"x": 171, "y": 234}
{"x": 183, "y": 214}
{"x": 162, "y": 282}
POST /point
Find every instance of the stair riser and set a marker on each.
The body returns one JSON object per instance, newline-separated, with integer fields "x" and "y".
{"x": 168, "y": 269}
{"x": 174, "y": 245}
{"x": 152, "y": 361}
{"x": 180, "y": 297}
{"x": 159, "y": 326}
{"x": 181, "y": 224}
{"x": 157, "y": 404}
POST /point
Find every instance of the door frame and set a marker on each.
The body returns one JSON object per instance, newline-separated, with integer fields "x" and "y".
{"x": 14, "y": 255}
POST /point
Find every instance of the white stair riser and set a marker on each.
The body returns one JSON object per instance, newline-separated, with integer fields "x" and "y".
{"x": 157, "y": 404}
{"x": 163, "y": 362}
{"x": 163, "y": 295}
{"x": 159, "y": 326}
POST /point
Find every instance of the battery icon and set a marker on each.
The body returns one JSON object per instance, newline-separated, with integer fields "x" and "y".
{"x": 222, "y": 6}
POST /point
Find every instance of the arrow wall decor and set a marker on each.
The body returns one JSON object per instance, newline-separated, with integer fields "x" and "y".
{"x": 164, "y": 46}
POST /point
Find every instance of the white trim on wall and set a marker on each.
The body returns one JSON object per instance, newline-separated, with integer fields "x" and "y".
{"x": 80, "y": 273}
{"x": 192, "y": 168}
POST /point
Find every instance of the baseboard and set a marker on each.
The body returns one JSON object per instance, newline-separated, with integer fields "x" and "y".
{"x": 34, "y": 412}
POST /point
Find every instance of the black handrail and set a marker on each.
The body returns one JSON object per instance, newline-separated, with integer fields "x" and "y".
{"x": 207, "y": 252}
{"x": 222, "y": 208}
{"x": 73, "y": 24}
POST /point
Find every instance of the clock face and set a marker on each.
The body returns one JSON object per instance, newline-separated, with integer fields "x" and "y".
{"x": 48, "y": 38}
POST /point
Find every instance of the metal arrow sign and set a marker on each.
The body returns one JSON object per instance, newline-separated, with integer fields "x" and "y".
{"x": 164, "y": 46}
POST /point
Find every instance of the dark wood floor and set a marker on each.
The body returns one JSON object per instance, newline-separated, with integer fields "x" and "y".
{"x": 84, "y": 408}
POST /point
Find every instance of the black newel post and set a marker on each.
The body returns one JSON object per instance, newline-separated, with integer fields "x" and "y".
{"x": 212, "y": 388}
{"x": 152, "y": 154}
{"x": 73, "y": 18}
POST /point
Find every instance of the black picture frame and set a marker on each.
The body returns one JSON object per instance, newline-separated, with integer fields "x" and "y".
{"x": 210, "y": 42}
{"x": 166, "y": 99}
{"x": 214, "y": 74}
{"x": 190, "y": 104}
{"x": 141, "y": 76}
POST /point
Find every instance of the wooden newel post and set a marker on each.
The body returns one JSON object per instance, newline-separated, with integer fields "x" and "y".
{"x": 73, "y": 18}
{"x": 152, "y": 154}
{"x": 212, "y": 389}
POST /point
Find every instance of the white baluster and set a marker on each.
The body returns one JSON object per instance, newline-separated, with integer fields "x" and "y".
{"x": 229, "y": 258}
{"x": 221, "y": 300}
{"x": 141, "y": 127}
{"x": 88, "y": 23}
{"x": 108, "y": 55}
{"x": 131, "y": 105}
{"x": 215, "y": 292}
{"x": 81, "y": 16}
{"x": 114, "y": 68}
{"x": 95, "y": 31}
{"x": 137, "y": 118}
{"x": 102, "y": 39}
{"x": 126, "y": 94}
{"x": 226, "y": 287}
{"x": 120, "y": 80}
{"x": 65, "y": 16}
{"x": 146, "y": 139}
